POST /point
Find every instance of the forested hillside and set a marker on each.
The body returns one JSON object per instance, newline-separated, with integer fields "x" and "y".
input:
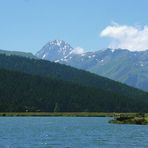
{"x": 23, "y": 92}
{"x": 58, "y": 71}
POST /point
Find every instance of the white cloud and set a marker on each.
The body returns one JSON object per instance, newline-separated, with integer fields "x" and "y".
{"x": 126, "y": 37}
{"x": 78, "y": 50}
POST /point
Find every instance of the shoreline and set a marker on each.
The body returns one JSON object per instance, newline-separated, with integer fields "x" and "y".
{"x": 62, "y": 114}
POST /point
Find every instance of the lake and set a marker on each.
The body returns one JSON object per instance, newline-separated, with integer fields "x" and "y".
{"x": 70, "y": 132}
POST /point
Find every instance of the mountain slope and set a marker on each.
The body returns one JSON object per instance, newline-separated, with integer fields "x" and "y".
{"x": 23, "y": 92}
{"x": 66, "y": 73}
{"x": 120, "y": 65}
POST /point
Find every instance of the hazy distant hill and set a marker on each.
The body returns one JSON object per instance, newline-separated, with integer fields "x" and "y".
{"x": 18, "y": 53}
{"x": 120, "y": 65}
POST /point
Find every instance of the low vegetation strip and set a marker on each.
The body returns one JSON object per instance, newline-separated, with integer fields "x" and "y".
{"x": 66, "y": 114}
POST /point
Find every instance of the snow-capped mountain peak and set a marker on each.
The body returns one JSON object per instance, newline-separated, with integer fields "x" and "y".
{"x": 55, "y": 50}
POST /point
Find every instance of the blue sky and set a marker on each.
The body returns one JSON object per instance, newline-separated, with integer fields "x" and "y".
{"x": 26, "y": 25}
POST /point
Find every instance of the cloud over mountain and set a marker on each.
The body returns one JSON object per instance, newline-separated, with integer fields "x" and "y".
{"x": 78, "y": 50}
{"x": 126, "y": 37}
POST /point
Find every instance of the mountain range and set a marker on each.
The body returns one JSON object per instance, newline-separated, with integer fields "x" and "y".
{"x": 120, "y": 65}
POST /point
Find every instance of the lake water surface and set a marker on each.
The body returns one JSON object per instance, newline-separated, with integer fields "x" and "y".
{"x": 70, "y": 132}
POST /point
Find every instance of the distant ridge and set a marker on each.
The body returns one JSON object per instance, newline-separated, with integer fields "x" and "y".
{"x": 18, "y": 53}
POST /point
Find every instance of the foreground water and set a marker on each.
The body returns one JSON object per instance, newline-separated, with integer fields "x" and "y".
{"x": 69, "y": 132}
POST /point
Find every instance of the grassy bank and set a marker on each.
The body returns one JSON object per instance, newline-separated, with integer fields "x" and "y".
{"x": 65, "y": 114}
